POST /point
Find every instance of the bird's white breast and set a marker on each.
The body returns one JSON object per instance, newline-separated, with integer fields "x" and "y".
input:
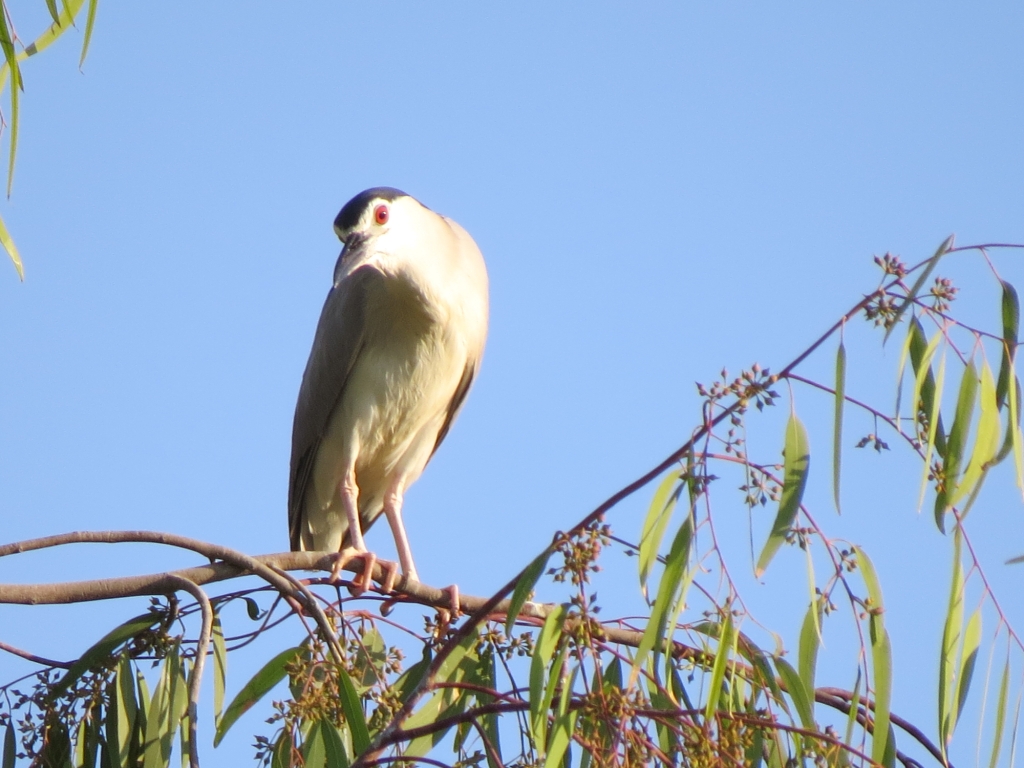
{"x": 396, "y": 398}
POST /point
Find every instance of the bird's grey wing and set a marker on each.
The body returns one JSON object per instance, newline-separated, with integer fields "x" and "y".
{"x": 456, "y": 403}
{"x": 339, "y": 339}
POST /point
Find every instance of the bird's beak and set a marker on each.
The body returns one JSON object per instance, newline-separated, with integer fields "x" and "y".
{"x": 351, "y": 250}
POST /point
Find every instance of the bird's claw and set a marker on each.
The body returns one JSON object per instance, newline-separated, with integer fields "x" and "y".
{"x": 454, "y": 609}
{"x": 364, "y": 580}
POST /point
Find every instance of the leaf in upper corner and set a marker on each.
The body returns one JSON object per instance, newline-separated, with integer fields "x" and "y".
{"x": 795, "y": 467}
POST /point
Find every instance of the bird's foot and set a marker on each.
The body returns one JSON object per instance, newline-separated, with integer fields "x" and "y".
{"x": 363, "y": 580}
{"x": 454, "y": 609}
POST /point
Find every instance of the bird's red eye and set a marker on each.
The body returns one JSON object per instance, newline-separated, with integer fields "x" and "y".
{"x": 380, "y": 214}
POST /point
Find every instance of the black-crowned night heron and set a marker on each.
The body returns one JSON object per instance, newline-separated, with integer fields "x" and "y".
{"x": 397, "y": 347}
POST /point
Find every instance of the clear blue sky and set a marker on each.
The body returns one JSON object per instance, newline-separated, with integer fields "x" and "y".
{"x": 659, "y": 192}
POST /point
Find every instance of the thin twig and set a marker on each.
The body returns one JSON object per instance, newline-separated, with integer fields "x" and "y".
{"x": 196, "y": 678}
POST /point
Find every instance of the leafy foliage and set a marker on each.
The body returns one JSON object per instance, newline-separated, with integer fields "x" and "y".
{"x": 690, "y": 682}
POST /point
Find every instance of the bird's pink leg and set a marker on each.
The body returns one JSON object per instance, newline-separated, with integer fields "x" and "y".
{"x": 349, "y": 492}
{"x": 393, "y": 511}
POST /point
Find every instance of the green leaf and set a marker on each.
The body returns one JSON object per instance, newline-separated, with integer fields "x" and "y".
{"x": 1015, "y": 433}
{"x": 354, "y": 715}
{"x": 874, "y": 587}
{"x": 924, "y": 381}
{"x": 934, "y": 432}
{"x": 314, "y": 752}
{"x": 561, "y": 736}
{"x": 660, "y": 512}
{"x": 997, "y": 737}
{"x": 919, "y": 284}
{"x": 82, "y": 757}
{"x": 12, "y": 250}
{"x": 103, "y": 649}
{"x": 282, "y": 755}
{"x": 488, "y": 680}
{"x": 837, "y": 431}
{"x": 272, "y": 673}
{"x": 951, "y": 638}
{"x": 764, "y": 678}
{"x": 410, "y": 679}
{"x": 543, "y": 651}
{"x": 56, "y": 748}
{"x": 123, "y": 696}
{"x": 881, "y": 654}
{"x": 968, "y": 660}
{"x": 810, "y": 641}
{"x": 851, "y": 716}
{"x": 16, "y": 89}
{"x": 460, "y": 664}
{"x": 1011, "y": 329}
{"x": 524, "y": 586}
{"x": 725, "y": 644}
{"x": 334, "y": 746}
{"x": 220, "y": 669}
{"x": 369, "y": 660}
{"x": 253, "y": 609}
{"x": 158, "y": 723}
{"x": 676, "y": 565}
{"x": 177, "y": 701}
{"x": 952, "y": 460}
{"x": 11, "y": 61}
{"x": 51, "y": 6}
{"x": 141, "y": 719}
{"x": 986, "y": 440}
{"x": 796, "y": 465}
{"x": 10, "y": 747}
{"x": 90, "y": 21}
{"x": 881, "y": 662}
{"x": 170, "y": 700}
{"x": 797, "y": 692}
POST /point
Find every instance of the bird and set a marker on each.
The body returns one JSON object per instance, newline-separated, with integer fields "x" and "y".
{"x": 396, "y": 350}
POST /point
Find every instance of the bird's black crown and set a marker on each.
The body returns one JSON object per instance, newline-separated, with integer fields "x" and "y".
{"x": 349, "y": 216}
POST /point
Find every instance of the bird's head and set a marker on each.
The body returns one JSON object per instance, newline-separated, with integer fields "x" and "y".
{"x": 379, "y": 220}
